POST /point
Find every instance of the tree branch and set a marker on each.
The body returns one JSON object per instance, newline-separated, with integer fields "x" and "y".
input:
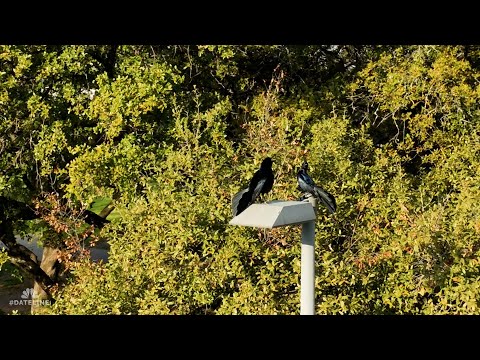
{"x": 93, "y": 219}
{"x": 20, "y": 210}
{"x": 23, "y": 258}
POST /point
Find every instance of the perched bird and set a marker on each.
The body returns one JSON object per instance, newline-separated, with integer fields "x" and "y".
{"x": 261, "y": 183}
{"x": 307, "y": 185}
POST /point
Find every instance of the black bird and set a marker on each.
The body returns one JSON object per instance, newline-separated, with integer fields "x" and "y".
{"x": 306, "y": 184}
{"x": 261, "y": 183}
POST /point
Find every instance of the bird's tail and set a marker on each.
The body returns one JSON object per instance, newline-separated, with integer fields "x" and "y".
{"x": 327, "y": 199}
{"x": 240, "y": 201}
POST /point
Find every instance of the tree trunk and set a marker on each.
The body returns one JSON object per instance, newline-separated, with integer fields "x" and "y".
{"x": 49, "y": 266}
{"x": 22, "y": 257}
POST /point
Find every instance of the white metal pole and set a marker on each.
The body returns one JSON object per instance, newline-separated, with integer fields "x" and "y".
{"x": 307, "y": 280}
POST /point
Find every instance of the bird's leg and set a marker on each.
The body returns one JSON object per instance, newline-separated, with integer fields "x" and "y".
{"x": 265, "y": 237}
{"x": 312, "y": 200}
{"x": 304, "y": 196}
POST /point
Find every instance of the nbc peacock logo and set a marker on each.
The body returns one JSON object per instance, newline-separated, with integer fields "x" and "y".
{"x": 27, "y": 293}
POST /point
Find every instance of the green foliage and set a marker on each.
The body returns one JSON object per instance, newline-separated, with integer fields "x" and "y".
{"x": 9, "y": 274}
{"x": 101, "y": 203}
{"x": 169, "y": 134}
{"x": 3, "y": 258}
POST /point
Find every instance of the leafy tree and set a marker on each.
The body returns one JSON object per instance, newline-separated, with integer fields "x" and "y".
{"x": 54, "y": 128}
{"x": 167, "y": 135}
